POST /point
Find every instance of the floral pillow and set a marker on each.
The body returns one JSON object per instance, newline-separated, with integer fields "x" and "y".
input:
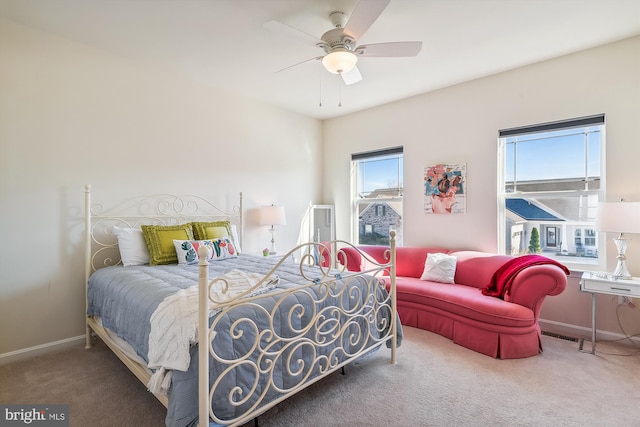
{"x": 187, "y": 250}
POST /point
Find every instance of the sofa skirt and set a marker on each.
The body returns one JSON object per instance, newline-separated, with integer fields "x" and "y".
{"x": 493, "y": 340}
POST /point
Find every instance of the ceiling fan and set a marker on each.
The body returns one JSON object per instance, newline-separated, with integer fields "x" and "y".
{"x": 340, "y": 43}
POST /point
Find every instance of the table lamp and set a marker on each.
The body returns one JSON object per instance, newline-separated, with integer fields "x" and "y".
{"x": 619, "y": 217}
{"x": 272, "y": 216}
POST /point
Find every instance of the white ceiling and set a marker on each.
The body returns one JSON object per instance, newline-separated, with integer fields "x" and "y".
{"x": 223, "y": 44}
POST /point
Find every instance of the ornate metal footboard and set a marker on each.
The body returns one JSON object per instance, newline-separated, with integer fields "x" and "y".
{"x": 310, "y": 331}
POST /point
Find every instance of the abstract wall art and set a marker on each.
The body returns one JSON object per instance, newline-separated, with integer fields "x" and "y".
{"x": 445, "y": 189}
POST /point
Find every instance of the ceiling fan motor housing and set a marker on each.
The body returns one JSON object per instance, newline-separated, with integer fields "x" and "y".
{"x": 336, "y": 39}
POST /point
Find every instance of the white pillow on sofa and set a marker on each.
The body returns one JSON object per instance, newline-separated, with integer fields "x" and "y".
{"x": 132, "y": 247}
{"x": 439, "y": 267}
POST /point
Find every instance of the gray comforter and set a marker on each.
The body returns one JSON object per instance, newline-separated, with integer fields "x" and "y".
{"x": 126, "y": 297}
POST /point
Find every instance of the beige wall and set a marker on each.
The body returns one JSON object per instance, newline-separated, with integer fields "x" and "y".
{"x": 71, "y": 115}
{"x": 460, "y": 124}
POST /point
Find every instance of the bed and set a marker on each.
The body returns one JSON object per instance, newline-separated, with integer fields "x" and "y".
{"x": 274, "y": 325}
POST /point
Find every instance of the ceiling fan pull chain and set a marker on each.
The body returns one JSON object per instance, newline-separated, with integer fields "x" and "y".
{"x": 339, "y": 91}
{"x": 320, "y": 84}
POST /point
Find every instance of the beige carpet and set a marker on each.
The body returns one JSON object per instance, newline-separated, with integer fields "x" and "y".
{"x": 435, "y": 383}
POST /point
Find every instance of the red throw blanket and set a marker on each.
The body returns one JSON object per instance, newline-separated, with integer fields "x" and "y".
{"x": 503, "y": 277}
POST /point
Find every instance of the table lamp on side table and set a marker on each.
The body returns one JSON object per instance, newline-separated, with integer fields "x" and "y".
{"x": 272, "y": 216}
{"x": 619, "y": 217}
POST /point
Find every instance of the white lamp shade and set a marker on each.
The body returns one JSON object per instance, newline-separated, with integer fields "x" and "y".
{"x": 272, "y": 215}
{"x": 618, "y": 217}
{"x": 339, "y": 61}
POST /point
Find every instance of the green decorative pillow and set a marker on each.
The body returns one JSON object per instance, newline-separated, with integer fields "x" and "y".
{"x": 211, "y": 230}
{"x": 159, "y": 240}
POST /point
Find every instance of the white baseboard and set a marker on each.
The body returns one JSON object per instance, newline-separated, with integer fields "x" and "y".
{"x": 581, "y": 331}
{"x": 37, "y": 350}
{"x": 567, "y": 329}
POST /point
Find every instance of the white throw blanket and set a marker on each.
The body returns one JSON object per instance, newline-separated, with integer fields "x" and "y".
{"x": 174, "y": 324}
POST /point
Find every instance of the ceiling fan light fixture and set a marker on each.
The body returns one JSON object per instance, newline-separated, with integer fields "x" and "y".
{"x": 339, "y": 61}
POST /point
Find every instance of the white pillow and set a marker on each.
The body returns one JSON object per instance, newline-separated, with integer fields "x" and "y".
{"x": 234, "y": 236}
{"x": 439, "y": 267}
{"x": 133, "y": 249}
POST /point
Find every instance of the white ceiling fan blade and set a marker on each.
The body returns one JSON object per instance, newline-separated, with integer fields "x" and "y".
{"x": 353, "y": 76}
{"x": 363, "y": 16}
{"x": 317, "y": 58}
{"x": 291, "y": 32}
{"x": 389, "y": 49}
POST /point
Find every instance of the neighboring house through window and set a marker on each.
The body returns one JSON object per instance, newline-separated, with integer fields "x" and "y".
{"x": 550, "y": 181}
{"x": 377, "y": 183}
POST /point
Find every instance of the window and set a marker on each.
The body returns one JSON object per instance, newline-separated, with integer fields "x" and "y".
{"x": 377, "y": 189}
{"x": 549, "y": 189}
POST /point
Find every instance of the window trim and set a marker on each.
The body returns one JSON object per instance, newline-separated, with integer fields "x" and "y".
{"x": 377, "y": 153}
{"x": 580, "y": 122}
{"x": 356, "y": 200}
{"x": 586, "y": 121}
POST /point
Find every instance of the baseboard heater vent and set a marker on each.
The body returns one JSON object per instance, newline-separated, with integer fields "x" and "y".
{"x": 561, "y": 337}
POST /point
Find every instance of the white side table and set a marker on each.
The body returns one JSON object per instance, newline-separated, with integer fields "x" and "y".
{"x": 603, "y": 283}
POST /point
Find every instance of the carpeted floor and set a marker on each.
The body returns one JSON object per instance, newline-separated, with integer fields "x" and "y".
{"x": 434, "y": 383}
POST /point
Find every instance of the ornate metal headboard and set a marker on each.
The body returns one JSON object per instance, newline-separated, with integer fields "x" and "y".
{"x": 101, "y": 248}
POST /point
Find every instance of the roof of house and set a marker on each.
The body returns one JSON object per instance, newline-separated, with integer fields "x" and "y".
{"x": 384, "y": 192}
{"x": 529, "y": 211}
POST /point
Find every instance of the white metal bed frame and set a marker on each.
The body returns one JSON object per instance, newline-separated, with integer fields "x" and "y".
{"x": 328, "y": 326}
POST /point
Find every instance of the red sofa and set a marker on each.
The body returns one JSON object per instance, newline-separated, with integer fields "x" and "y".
{"x": 502, "y": 328}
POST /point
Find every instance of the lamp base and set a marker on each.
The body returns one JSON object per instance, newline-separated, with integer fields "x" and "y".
{"x": 273, "y": 250}
{"x": 621, "y": 271}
